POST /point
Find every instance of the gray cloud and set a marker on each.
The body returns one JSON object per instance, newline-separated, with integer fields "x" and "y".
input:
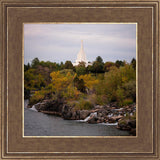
{"x": 61, "y": 42}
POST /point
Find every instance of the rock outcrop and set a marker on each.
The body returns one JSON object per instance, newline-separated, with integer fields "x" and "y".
{"x": 128, "y": 125}
{"x": 99, "y": 114}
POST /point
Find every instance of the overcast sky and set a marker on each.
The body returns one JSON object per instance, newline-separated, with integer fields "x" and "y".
{"x": 61, "y": 42}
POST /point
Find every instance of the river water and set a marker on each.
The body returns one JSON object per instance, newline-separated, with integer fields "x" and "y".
{"x": 40, "y": 124}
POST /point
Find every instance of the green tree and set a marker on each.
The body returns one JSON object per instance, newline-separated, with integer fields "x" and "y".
{"x": 90, "y": 69}
{"x": 35, "y": 62}
{"x": 81, "y": 69}
{"x": 26, "y": 67}
{"x": 120, "y": 84}
{"x": 99, "y": 59}
{"x": 79, "y": 84}
{"x": 133, "y": 63}
{"x": 68, "y": 65}
{"x": 130, "y": 89}
{"x": 33, "y": 81}
{"x": 119, "y": 63}
{"x": 98, "y": 65}
{"x": 61, "y": 66}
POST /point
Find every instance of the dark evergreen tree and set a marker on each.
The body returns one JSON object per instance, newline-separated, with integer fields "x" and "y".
{"x": 35, "y": 62}
{"x": 68, "y": 65}
{"x": 98, "y": 65}
{"x": 79, "y": 84}
{"x": 133, "y": 63}
{"x": 119, "y": 63}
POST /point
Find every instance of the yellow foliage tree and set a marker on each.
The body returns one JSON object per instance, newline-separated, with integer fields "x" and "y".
{"x": 89, "y": 81}
{"x": 63, "y": 83}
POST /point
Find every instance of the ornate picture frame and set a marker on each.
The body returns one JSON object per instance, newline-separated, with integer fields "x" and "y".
{"x": 14, "y": 13}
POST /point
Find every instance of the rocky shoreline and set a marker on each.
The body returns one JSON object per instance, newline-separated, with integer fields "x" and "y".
{"x": 123, "y": 118}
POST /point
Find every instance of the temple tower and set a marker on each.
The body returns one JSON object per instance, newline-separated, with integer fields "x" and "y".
{"x": 81, "y": 56}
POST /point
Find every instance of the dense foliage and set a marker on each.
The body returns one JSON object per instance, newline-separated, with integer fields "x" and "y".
{"x": 100, "y": 83}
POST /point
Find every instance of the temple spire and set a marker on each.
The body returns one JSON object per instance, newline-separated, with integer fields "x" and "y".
{"x": 81, "y": 56}
{"x": 81, "y": 44}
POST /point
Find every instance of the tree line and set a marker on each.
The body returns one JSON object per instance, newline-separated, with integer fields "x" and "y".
{"x": 98, "y": 83}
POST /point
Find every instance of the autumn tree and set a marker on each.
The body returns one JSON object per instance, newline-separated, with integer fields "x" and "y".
{"x": 63, "y": 84}
{"x": 89, "y": 81}
{"x": 33, "y": 81}
{"x": 120, "y": 84}
{"x": 108, "y": 65}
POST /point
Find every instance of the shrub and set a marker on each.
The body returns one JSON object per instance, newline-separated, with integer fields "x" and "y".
{"x": 81, "y": 70}
{"x": 120, "y": 96}
{"x": 40, "y": 95}
{"x": 37, "y": 97}
{"x": 88, "y": 105}
{"x": 71, "y": 93}
{"x": 134, "y": 116}
{"x": 127, "y": 102}
{"x": 101, "y": 99}
{"x": 122, "y": 122}
{"x": 92, "y": 98}
{"x": 130, "y": 89}
{"x": 83, "y": 104}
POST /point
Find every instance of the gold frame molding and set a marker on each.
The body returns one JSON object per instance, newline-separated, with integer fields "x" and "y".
{"x": 14, "y": 13}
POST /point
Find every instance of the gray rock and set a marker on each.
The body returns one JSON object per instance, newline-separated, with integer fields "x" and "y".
{"x": 66, "y": 112}
{"x": 99, "y": 107}
{"x": 83, "y": 114}
{"x": 132, "y": 123}
{"x": 92, "y": 120}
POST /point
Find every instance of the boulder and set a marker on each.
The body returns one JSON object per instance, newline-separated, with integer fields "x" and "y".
{"x": 83, "y": 114}
{"x": 74, "y": 116}
{"x": 129, "y": 125}
{"x": 101, "y": 120}
{"x": 66, "y": 112}
{"x": 102, "y": 113}
{"x": 78, "y": 114}
{"x": 132, "y": 123}
{"x": 50, "y": 105}
{"x": 110, "y": 120}
{"x": 92, "y": 119}
{"x": 116, "y": 118}
{"x": 40, "y": 106}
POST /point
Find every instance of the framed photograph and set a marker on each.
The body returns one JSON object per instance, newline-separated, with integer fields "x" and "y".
{"x": 79, "y": 79}
{"x": 83, "y": 89}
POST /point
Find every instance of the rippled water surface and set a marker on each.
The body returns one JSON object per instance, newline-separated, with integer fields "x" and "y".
{"x": 39, "y": 124}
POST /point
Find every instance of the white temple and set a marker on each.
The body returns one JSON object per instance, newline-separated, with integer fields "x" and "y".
{"x": 81, "y": 56}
